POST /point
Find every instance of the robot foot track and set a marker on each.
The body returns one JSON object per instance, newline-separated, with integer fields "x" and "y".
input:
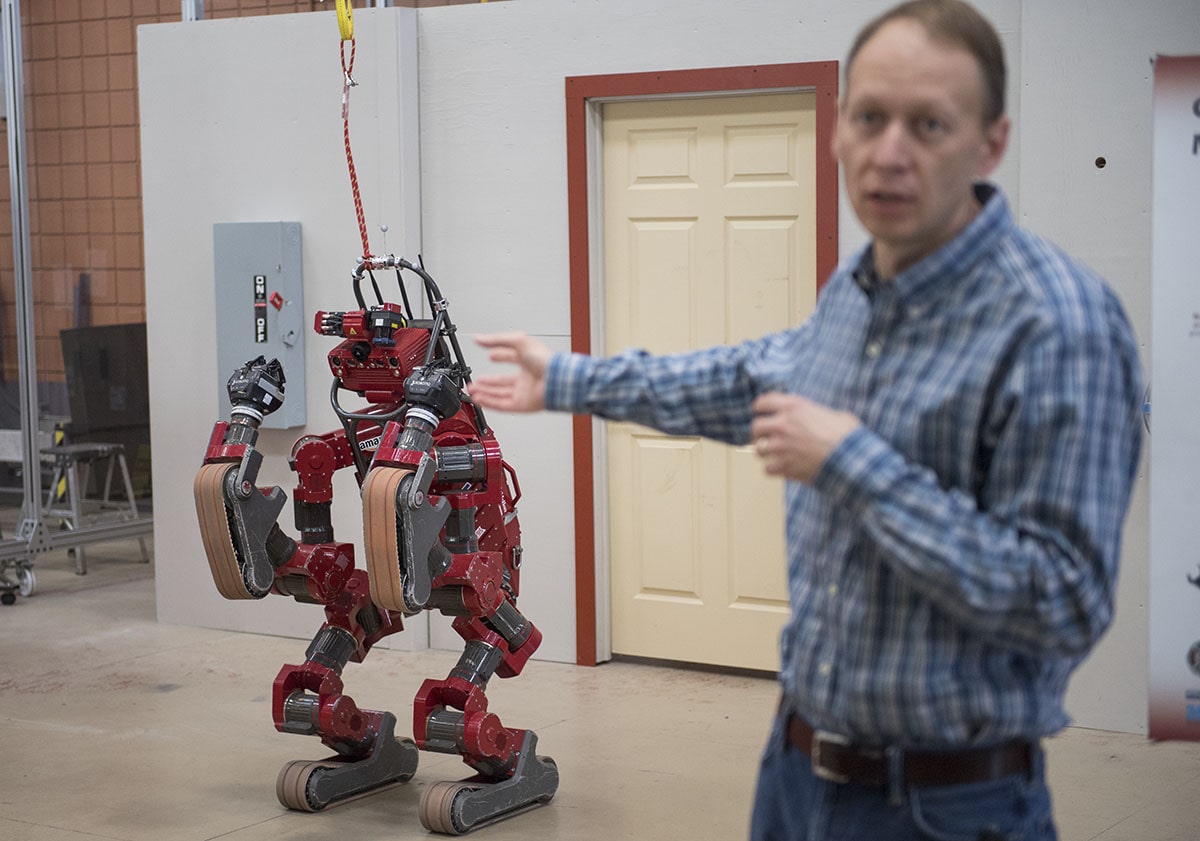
{"x": 455, "y": 808}
{"x": 245, "y": 573}
{"x": 312, "y": 786}
{"x": 209, "y": 491}
{"x": 381, "y": 536}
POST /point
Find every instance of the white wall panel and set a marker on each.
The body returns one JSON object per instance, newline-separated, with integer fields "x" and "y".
{"x": 1088, "y": 93}
{"x": 241, "y": 122}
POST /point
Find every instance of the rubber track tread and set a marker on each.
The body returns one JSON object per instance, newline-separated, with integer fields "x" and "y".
{"x": 436, "y": 807}
{"x": 291, "y": 786}
{"x": 209, "y": 491}
{"x": 380, "y": 536}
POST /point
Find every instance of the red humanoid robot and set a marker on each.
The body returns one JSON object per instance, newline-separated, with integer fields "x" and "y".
{"x": 440, "y": 532}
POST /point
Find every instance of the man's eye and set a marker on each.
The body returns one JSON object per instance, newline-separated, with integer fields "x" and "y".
{"x": 930, "y": 127}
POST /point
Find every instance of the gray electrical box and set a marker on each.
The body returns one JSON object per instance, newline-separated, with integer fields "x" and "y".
{"x": 260, "y": 308}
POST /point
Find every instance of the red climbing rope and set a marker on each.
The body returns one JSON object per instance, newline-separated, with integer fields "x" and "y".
{"x": 347, "y": 83}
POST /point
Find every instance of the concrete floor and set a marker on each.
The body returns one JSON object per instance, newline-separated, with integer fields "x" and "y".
{"x": 113, "y": 726}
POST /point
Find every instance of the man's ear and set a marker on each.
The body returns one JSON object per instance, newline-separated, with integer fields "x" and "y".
{"x": 995, "y": 143}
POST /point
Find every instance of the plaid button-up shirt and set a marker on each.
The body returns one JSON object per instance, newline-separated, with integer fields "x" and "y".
{"x": 956, "y": 557}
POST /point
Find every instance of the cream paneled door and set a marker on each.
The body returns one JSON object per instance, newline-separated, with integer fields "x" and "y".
{"x": 710, "y": 234}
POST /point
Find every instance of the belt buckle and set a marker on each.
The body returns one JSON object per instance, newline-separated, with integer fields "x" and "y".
{"x": 824, "y": 736}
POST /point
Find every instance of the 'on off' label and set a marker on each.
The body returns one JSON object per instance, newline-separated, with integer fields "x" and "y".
{"x": 260, "y": 308}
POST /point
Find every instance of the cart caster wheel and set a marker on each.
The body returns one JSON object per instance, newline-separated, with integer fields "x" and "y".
{"x": 437, "y": 807}
{"x": 26, "y": 582}
{"x": 8, "y": 597}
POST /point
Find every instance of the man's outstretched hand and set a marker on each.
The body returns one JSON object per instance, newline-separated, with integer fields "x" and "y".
{"x": 523, "y": 390}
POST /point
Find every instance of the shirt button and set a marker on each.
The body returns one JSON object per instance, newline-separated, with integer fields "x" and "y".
{"x": 833, "y": 589}
{"x": 915, "y": 312}
{"x": 874, "y": 349}
{"x": 825, "y": 669}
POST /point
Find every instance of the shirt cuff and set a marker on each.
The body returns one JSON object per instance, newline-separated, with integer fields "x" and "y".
{"x": 859, "y": 471}
{"x": 566, "y": 381}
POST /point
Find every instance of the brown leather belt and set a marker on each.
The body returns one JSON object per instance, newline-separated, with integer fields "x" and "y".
{"x": 838, "y": 761}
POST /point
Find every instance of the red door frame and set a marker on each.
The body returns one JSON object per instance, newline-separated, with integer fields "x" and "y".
{"x": 821, "y": 76}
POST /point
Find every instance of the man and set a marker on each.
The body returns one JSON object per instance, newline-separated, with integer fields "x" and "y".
{"x": 958, "y": 424}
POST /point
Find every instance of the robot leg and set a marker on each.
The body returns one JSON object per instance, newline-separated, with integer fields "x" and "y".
{"x": 308, "y": 700}
{"x": 451, "y": 716}
{"x": 456, "y": 808}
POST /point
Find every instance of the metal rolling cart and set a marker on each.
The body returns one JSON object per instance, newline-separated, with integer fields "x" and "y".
{"x": 33, "y": 537}
{"x": 76, "y": 509}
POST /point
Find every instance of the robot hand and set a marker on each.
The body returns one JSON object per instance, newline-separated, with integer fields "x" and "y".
{"x": 256, "y": 389}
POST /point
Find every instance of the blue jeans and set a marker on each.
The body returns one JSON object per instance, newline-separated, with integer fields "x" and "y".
{"x": 792, "y": 804}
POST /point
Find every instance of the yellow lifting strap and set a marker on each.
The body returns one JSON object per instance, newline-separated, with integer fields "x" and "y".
{"x": 345, "y": 15}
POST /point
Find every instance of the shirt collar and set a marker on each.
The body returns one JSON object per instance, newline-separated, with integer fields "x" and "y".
{"x": 935, "y": 273}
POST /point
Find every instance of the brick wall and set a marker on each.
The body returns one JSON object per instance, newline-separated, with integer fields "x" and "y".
{"x": 85, "y": 211}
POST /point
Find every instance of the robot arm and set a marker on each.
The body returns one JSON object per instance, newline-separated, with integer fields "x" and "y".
{"x": 238, "y": 525}
{"x": 401, "y": 521}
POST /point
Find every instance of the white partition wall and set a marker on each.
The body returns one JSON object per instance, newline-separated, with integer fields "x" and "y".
{"x": 241, "y": 122}
{"x": 1087, "y": 94}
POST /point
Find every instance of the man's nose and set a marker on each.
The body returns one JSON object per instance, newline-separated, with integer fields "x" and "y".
{"x": 892, "y": 148}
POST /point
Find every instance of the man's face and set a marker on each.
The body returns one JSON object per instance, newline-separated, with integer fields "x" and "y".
{"x": 911, "y": 141}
